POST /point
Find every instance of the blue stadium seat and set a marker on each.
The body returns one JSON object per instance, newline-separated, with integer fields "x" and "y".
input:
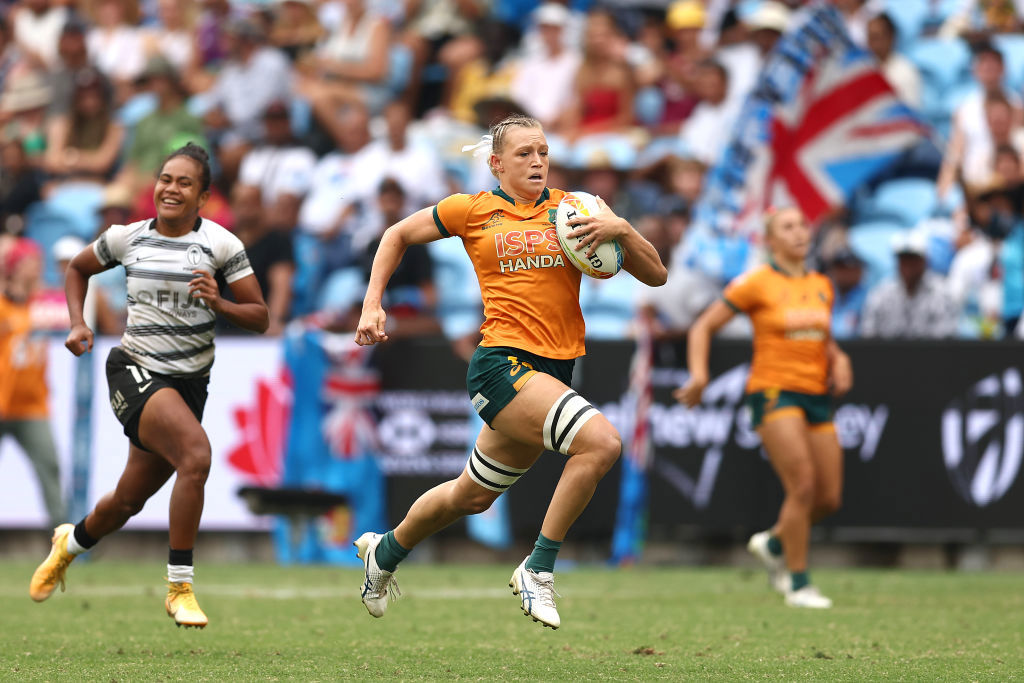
{"x": 1012, "y": 47}
{"x": 943, "y": 63}
{"x": 873, "y": 243}
{"x": 906, "y": 201}
{"x": 909, "y": 17}
{"x": 46, "y": 224}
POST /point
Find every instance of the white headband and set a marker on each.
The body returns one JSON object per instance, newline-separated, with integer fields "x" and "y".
{"x": 482, "y": 148}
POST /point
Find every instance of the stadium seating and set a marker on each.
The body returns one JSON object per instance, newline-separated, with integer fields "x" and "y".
{"x": 906, "y": 201}
{"x": 873, "y": 243}
{"x": 1012, "y": 47}
{"x": 70, "y": 210}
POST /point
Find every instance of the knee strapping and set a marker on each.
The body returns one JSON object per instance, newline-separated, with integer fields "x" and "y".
{"x": 490, "y": 473}
{"x": 565, "y": 419}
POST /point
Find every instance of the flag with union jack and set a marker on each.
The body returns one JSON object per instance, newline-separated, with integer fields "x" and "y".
{"x": 820, "y": 123}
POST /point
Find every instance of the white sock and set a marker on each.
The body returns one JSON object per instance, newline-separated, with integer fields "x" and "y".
{"x": 179, "y": 573}
{"x": 73, "y": 546}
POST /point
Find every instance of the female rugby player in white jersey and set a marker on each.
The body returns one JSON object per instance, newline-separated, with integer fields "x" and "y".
{"x": 157, "y": 377}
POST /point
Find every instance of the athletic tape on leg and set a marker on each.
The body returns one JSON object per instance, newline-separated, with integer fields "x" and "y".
{"x": 490, "y": 473}
{"x": 565, "y": 419}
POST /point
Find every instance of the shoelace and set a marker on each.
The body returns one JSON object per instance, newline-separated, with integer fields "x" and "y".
{"x": 546, "y": 590}
{"x": 184, "y": 593}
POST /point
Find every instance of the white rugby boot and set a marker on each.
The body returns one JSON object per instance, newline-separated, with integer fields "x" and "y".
{"x": 379, "y": 586}
{"x": 536, "y": 591}
{"x": 778, "y": 577}
{"x": 809, "y": 596}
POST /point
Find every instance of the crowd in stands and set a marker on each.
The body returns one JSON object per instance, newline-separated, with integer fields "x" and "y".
{"x": 329, "y": 120}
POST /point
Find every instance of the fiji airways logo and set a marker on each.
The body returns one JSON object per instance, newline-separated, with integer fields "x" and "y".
{"x": 262, "y": 428}
{"x": 983, "y": 438}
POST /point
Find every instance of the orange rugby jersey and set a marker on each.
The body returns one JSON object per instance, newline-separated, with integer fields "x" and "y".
{"x": 791, "y": 317}
{"x": 531, "y": 294}
{"x": 23, "y": 354}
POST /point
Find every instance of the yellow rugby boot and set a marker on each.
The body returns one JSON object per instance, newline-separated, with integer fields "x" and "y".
{"x": 51, "y": 571}
{"x": 182, "y": 606}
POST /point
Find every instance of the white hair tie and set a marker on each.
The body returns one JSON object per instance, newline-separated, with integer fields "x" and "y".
{"x": 482, "y": 148}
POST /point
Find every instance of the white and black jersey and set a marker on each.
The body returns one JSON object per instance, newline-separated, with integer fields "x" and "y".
{"x": 168, "y": 331}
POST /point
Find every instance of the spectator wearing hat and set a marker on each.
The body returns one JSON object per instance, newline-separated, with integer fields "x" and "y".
{"x": 23, "y": 105}
{"x": 36, "y": 27}
{"x": 684, "y": 22}
{"x": 764, "y": 25}
{"x": 986, "y": 277}
{"x": 296, "y": 28}
{"x": 24, "y": 410}
{"x": 254, "y": 76}
{"x": 280, "y": 167}
{"x": 916, "y": 303}
{"x": 543, "y": 80}
{"x": 846, "y": 270}
{"x": 84, "y": 144}
{"x": 167, "y": 127}
{"x": 898, "y": 70}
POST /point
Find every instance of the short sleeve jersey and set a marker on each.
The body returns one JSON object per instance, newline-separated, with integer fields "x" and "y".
{"x": 531, "y": 295}
{"x": 791, "y": 318}
{"x": 168, "y": 331}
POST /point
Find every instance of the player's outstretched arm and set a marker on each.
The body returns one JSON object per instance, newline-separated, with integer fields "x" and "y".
{"x": 698, "y": 351}
{"x": 76, "y": 283}
{"x": 418, "y": 228}
{"x": 640, "y": 259}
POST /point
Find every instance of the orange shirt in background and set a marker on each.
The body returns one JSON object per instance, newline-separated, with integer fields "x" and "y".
{"x": 23, "y": 353}
{"x": 791, "y": 317}
{"x": 531, "y": 295}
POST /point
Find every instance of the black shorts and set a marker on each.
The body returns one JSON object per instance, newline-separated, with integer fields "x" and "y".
{"x": 131, "y": 385}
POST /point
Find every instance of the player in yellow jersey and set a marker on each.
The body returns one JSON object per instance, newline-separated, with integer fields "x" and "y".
{"x": 796, "y": 365}
{"x": 518, "y": 379}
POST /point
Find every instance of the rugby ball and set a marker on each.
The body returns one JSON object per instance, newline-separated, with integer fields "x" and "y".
{"x": 607, "y": 258}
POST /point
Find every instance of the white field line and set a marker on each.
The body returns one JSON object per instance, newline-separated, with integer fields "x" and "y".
{"x": 252, "y": 592}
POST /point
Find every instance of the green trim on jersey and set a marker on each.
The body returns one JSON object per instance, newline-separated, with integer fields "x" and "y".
{"x": 440, "y": 226}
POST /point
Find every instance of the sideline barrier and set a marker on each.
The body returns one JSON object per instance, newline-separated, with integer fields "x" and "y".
{"x": 933, "y": 436}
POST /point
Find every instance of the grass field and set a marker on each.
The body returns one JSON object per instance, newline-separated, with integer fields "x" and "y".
{"x": 453, "y": 622}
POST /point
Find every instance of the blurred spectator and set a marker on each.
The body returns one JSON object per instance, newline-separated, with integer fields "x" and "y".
{"x": 683, "y": 22}
{"x": 604, "y": 89}
{"x": 23, "y": 112}
{"x": 20, "y": 185}
{"x": 270, "y": 253}
{"x": 296, "y": 29}
{"x": 977, "y": 162}
{"x": 409, "y": 297}
{"x": 970, "y": 135}
{"x": 174, "y": 37}
{"x": 1008, "y": 165}
{"x": 24, "y": 413}
{"x": 439, "y": 34}
{"x": 167, "y": 127}
{"x": 532, "y": 41}
{"x": 85, "y": 143}
{"x": 983, "y": 16}
{"x": 12, "y": 56}
{"x": 846, "y": 270}
{"x": 116, "y": 43}
{"x": 488, "y": 76}
{"x": 707, "y": 131}
{"x": 415, "y": 167}
{"x": 898, "y": 70}
{"x": 211, "y": 34}
{"x": 916, "y": 304}
{"x": 280, "y": 167}
{"x": 37, "y": 25}
{"x": 73, "y": 59}
{"x": 109, "y": 289}
{"x": 543, "y": 80}
{"x": 764, "y": 25}
{"x": 351, "y": 65}
{"x": 254, "y": 76}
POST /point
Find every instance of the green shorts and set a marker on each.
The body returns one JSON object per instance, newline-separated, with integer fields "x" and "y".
{"x": 497, "y": 373}
{"x": 771, "y": 404}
